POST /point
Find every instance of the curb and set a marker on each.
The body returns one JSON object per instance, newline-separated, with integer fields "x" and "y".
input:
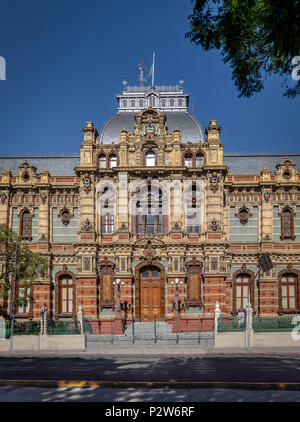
{"x": 154, "y": 384}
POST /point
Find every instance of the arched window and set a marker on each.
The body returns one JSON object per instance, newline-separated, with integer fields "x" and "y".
{"x": 132, "y": 103}
{"x": 163, "y": 103}
{"x": 188, "y": 160}
{"x": 150, "y": 217}
{"x": 141, "y": 103}
{"x": 199, "y": 160}
{"x": 240, "y": 288}
{"x": 287, "y": 224}
{"x": 124, "y": 103}
{"x": 66, "y": 295}
{"x": 112, "y": 161}
{"x": 150, "y": 158}
{"x": 180, "y": 102}
{"x": 25, "y": 225}
{"x": 172, "y": 103}
{"x": 102, "y": 161}
{"x": 288, "y": 291}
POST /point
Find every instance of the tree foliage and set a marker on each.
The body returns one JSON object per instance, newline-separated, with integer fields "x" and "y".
{"x": 30, "y": 266}
{"x": 257, "y": 37}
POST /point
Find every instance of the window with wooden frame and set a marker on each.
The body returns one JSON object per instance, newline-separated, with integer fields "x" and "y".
{"x": 153, "y": 221}
{"x": 66, "y": 292}
{"x": 24, "y": 299}
{"x": 107, "y": 223}
{"x": 288, "y": 291}
{"x": 193, "y": 218}
{"x": 287, "y": 224}
{"x": 25, "y": 225}
{"x": 240, "y": 288}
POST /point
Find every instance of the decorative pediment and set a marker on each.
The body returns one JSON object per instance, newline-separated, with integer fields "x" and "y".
{"x": 144, "y": 241}
{"x": 27, "y": 172}
{"x": 286, "y": 170}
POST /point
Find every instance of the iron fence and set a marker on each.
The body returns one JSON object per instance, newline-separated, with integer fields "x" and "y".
{"x": 227, "y": 324}
{"x": 265, "y": 324}
{"x": 23, "y": 328}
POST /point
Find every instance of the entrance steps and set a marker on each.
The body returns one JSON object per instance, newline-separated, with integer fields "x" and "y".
{"x": 144, "y": 334}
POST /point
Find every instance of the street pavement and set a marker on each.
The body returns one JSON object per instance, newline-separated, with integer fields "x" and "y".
{"x": 10, "y": 394}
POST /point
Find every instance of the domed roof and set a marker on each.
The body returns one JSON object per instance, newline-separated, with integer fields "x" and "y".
{"x": 190, "y": 128}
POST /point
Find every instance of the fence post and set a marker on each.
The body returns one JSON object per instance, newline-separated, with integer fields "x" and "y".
{"x": 80, "y": 319}
{"x": 132, "y": 329}
{"x": 44, "y": 320}
{"x": 248, "y": 330}
{"x": 217, "y": 316}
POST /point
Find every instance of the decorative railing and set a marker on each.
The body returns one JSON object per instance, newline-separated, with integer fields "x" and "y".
{"x": 24, "y": 328}
{"x": 265, "y": 324}
{"x": 63, "y": 327}
{"x": 227, "y": 324}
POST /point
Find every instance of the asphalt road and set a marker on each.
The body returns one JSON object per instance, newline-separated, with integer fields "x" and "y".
{"x": 153, "y": 369}
{"x": 10, "y": 394}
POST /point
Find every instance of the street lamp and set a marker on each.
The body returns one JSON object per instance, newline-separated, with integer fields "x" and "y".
{"x": 177, "y": 284}
{"x": 118, "y": 283}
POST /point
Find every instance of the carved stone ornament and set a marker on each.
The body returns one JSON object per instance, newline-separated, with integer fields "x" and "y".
{"x": 87, "y": 226}
{"x": 43, "y": 237}
{"x": 243, "y": 213}
{"x": 214, "y": 183}
{"x": 267, "y": 196}
{"x": 43, "y": 197}
{"x": 149, "y": 255}
{"x": 65, "y": 215}
{"x": 214, "y": 225}
{"x": 3, "y": 197}
{"x": 123, "y": 227}
{"x": 176, "y": 226}
{"x": 87, "y": 182}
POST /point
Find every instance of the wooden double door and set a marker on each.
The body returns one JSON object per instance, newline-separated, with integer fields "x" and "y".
{"x": 151, "y": 296}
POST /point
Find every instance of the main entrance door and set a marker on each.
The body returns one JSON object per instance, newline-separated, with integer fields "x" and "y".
{"x": 151, "y": 293}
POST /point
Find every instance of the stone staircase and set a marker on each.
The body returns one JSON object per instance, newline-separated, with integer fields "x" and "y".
{"x": 144, "y": 334}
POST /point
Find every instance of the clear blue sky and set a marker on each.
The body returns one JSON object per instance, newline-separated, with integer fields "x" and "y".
{"x": 66, "y": 60}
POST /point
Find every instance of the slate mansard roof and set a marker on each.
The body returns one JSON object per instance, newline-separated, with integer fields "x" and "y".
{"x": 238, "y": 163}
{"x": 189, "y": 126}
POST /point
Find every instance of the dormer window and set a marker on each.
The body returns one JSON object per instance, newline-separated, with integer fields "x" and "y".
{"x": 150, "y": 159}
{"x": 102, "y": 161}
{"x": 113, "y": 161}
{"x": 188, "y": 160}
{"x": 199, "y": 160}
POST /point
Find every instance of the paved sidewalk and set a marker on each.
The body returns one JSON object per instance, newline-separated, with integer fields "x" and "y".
{"x": 136, "y": 350}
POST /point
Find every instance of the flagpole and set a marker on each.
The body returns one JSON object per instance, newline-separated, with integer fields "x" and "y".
{"x": 153, "y": 69}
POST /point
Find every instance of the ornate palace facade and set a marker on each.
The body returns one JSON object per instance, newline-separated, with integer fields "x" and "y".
{"x": 152, "y": 200}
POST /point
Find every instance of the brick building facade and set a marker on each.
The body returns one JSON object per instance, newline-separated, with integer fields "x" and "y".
{"x": 152, "y": 201}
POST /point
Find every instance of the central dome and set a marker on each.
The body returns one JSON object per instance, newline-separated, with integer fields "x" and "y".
{"x": 171, "y": 100}
{"x": 190, "y": 128}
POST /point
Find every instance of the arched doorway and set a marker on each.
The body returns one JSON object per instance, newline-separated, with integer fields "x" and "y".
{"x": 150, "y": 292}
